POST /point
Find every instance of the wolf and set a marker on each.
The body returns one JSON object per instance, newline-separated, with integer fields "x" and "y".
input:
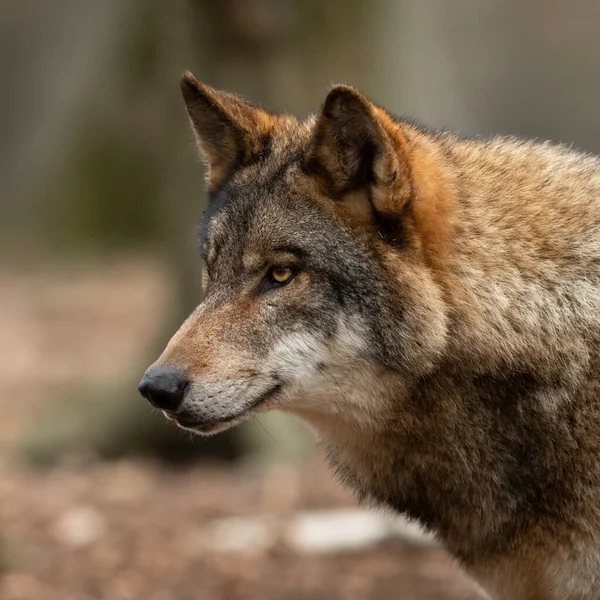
{"x": 429, "y": 305}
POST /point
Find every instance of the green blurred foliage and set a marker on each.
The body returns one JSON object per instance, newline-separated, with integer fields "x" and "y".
{"x": 106, "y": 195}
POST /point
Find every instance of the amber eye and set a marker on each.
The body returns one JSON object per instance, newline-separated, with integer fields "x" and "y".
{"x": 281, "y": 274}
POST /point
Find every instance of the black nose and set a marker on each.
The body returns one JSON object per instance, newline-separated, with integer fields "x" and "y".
{"x": 163, "y": 387}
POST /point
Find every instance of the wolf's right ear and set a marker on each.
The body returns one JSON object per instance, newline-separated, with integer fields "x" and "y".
{"x": 229, "y": 131}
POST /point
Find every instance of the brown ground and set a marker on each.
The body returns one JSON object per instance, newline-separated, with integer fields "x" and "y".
{"x": 125, "y": 530}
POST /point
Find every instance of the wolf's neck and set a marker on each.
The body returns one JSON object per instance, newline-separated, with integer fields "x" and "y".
{"x": 465, "y": 458}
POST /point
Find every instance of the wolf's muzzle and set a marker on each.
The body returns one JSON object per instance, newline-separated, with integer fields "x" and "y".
{"x": 163, "y": 387}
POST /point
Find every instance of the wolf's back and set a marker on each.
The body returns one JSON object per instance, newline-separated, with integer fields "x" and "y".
{"x": 526, "y": 255}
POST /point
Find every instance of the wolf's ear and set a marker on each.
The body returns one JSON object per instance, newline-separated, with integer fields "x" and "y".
{"x": 357, "y": 147}
{"x": 229, "y": 131}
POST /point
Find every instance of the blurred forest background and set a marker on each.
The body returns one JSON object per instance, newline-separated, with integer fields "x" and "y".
{"x": 100, "y": 188}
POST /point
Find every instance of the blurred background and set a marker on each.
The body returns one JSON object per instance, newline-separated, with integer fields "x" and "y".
{"x": 100, "y": 187}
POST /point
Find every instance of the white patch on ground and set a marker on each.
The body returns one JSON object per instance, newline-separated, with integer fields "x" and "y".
{"x": 79, "y": 527}
{"x": 350, "y": 529}
{"x": 232, "y": 535}
{"x": 324, "y": 531}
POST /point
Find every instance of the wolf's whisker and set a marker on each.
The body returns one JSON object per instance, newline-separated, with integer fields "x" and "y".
{"x": 265, "y": 429}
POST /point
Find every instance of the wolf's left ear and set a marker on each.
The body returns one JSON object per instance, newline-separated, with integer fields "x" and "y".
{"x": 229, "y": 131}
{"x": 358, "y": 148}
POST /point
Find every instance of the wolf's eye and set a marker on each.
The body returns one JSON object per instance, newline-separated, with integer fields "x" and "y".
{"x": 281, "y": 274}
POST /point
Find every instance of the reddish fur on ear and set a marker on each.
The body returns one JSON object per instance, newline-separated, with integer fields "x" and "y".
{"x": 358, "y": 148}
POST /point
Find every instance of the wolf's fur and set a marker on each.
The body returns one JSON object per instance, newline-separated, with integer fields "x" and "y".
{"x": 441, "y": 333}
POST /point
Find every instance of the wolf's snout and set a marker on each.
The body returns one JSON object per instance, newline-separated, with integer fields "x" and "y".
{"x": 163, "y": 387}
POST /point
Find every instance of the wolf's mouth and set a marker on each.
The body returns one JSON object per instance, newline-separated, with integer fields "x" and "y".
{"x": 207, "y": 427}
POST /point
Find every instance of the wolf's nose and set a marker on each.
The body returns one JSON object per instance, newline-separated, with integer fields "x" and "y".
{"x": 163, "y": 387}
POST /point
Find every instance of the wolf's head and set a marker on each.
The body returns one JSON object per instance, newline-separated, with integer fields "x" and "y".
{"x": 319, "y": 292}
